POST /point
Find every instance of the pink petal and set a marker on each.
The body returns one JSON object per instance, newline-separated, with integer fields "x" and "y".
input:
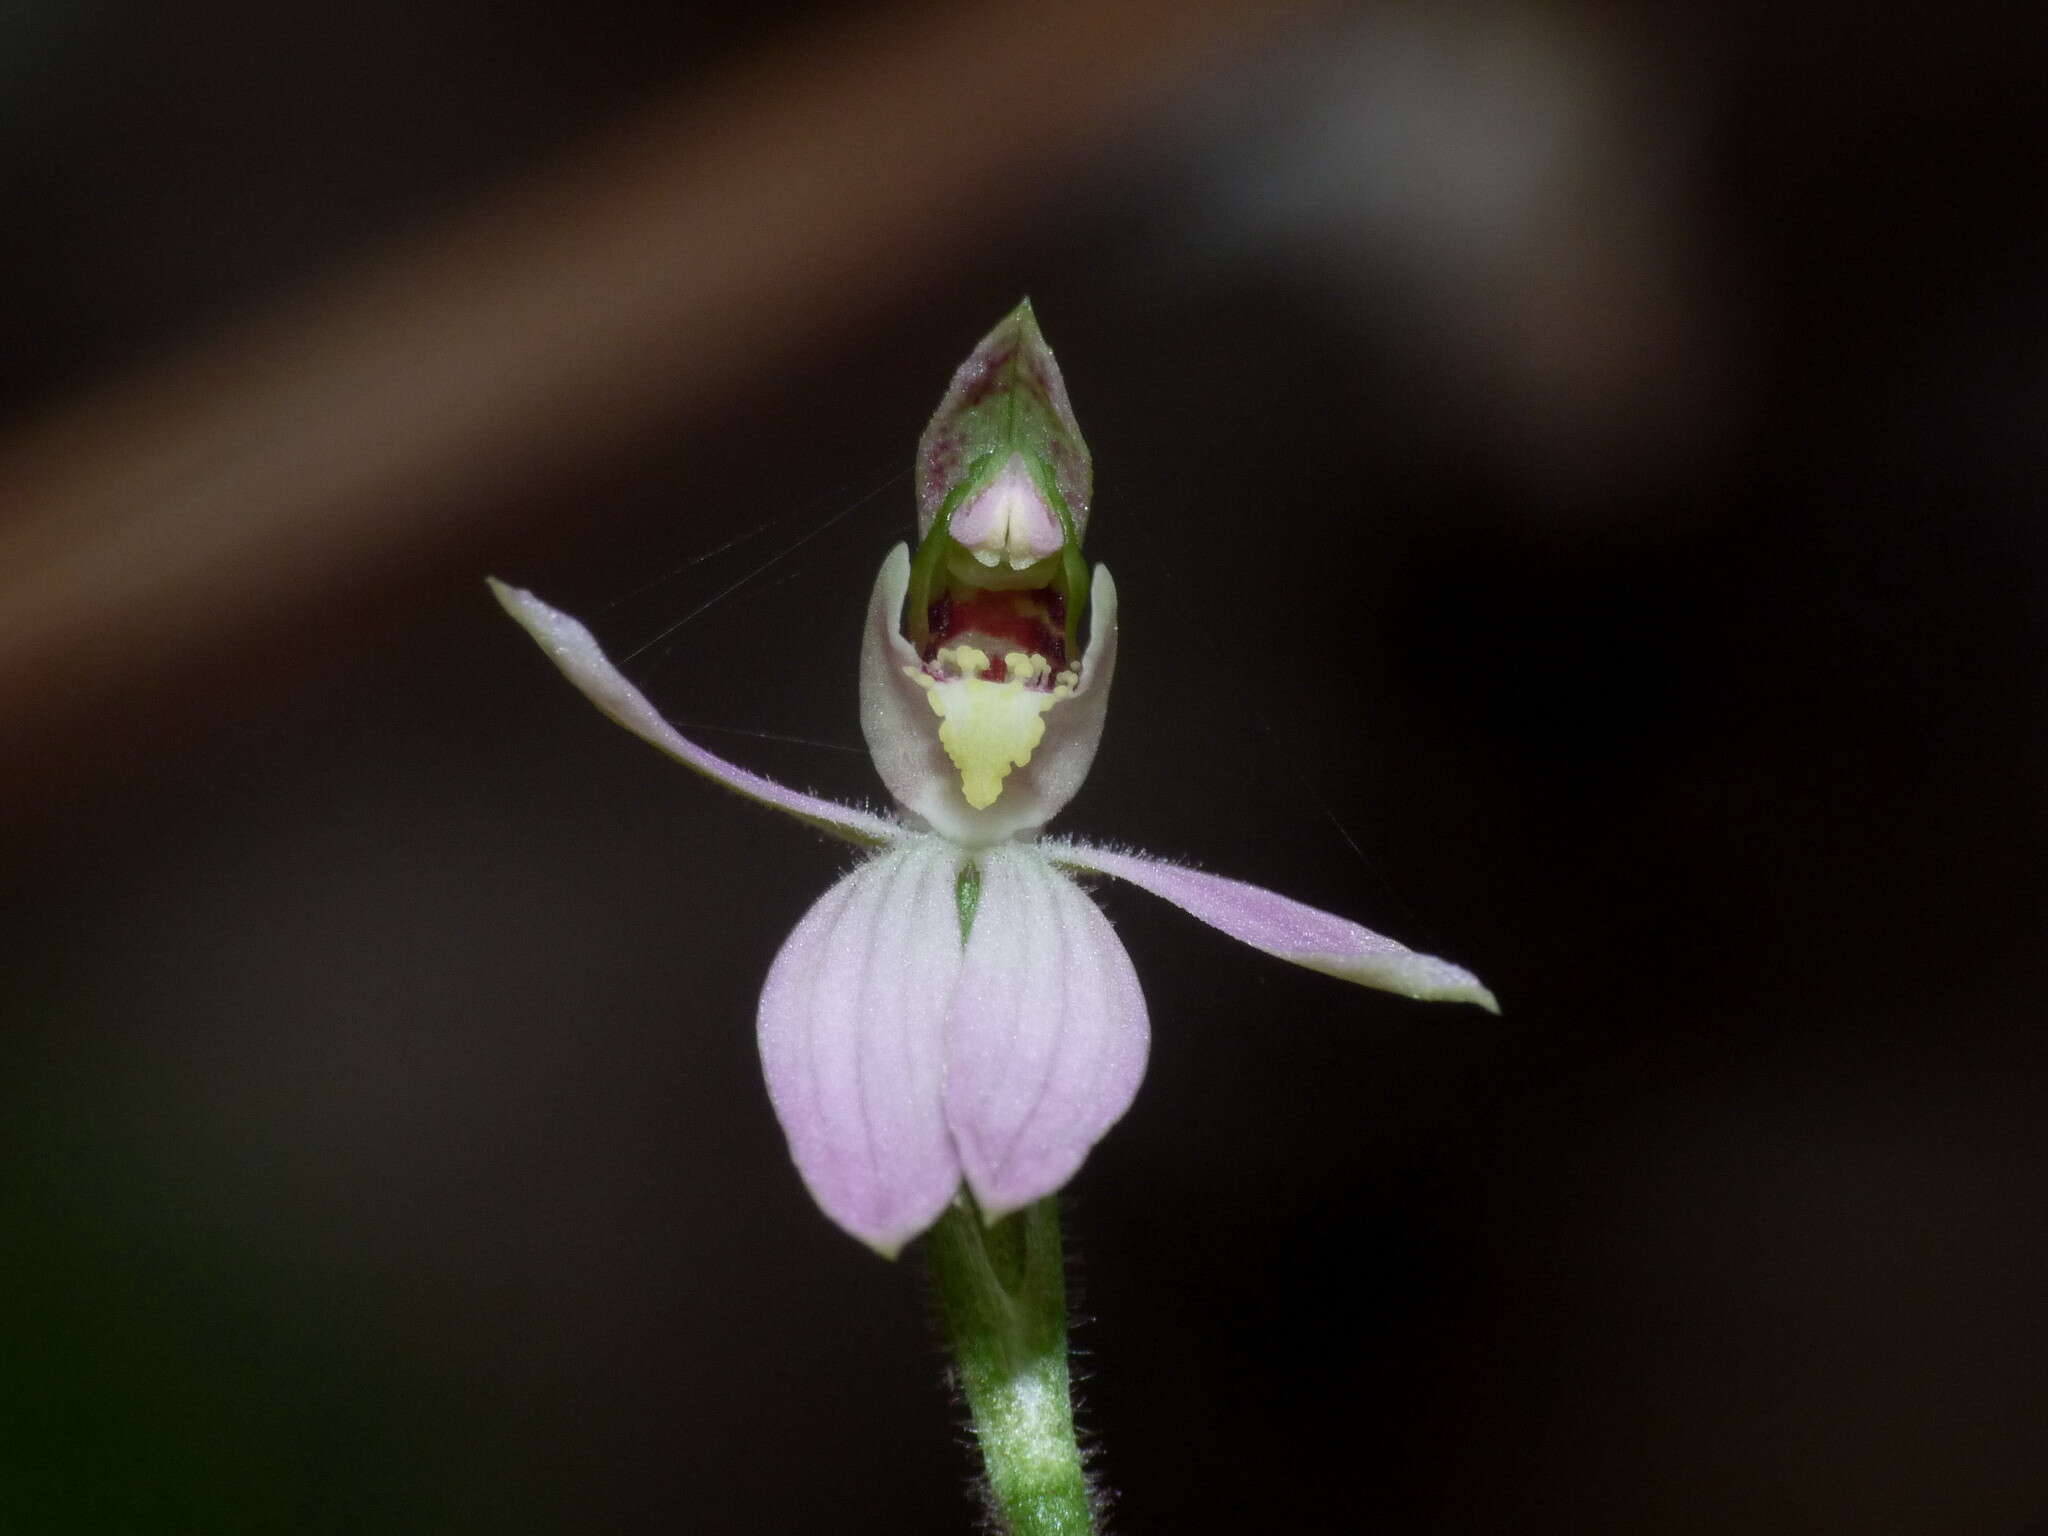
{"x": 1047, "y": 1039}
{"x": 903, "y": 732}
{"x": 852, "y": 1031}
{"x": 1287, "y": 928}
{"x": 570, "y": 647}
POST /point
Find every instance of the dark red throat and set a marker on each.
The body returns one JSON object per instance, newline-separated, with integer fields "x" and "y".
{"x": 1032, "y": 620}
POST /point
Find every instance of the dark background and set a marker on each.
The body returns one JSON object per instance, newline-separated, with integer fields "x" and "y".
{"x": 1576, "y": 486}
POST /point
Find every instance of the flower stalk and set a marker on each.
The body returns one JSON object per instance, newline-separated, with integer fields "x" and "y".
{"x": 1002, "y": 1297}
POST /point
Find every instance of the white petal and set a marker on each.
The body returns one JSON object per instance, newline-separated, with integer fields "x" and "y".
{"x": 572, "y": 648}
{"x": 852, "y": 1033}
{"x": 1047, "y": 1040}
{"x": 903, "y": 731}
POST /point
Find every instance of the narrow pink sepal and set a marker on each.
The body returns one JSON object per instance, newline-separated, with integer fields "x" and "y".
{"x": 1290, "y": 929}
{"x": 853, "y": 1043}
{"x": 902, "y": 729}
{"x": 572, "y": 648}
{"x": 1047, "y": 1040}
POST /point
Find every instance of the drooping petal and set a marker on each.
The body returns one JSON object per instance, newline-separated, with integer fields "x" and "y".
{"x": 572, "y": 648}
{"x": 852, "y": 1032}
{"x": 1047, "y": 1039}
{"x": 1290, "y": 929}
{"x": 903, "y": 730}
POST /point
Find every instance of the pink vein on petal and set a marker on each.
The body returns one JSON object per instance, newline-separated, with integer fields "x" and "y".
{"x": 852, "y": 1031}
{"x": 1048, "y": 1036}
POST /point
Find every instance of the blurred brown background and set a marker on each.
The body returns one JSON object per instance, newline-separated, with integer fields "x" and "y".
{"x": 1576, "y": 481}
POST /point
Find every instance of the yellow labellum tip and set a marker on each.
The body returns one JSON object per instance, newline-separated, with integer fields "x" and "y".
{"x": 990, "y": 728}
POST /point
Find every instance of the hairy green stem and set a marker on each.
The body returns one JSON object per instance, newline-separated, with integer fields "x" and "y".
{"x": 1002, "y": 1292}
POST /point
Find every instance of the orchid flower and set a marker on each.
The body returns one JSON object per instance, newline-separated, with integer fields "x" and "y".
{"x": 955, "y": 1010}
